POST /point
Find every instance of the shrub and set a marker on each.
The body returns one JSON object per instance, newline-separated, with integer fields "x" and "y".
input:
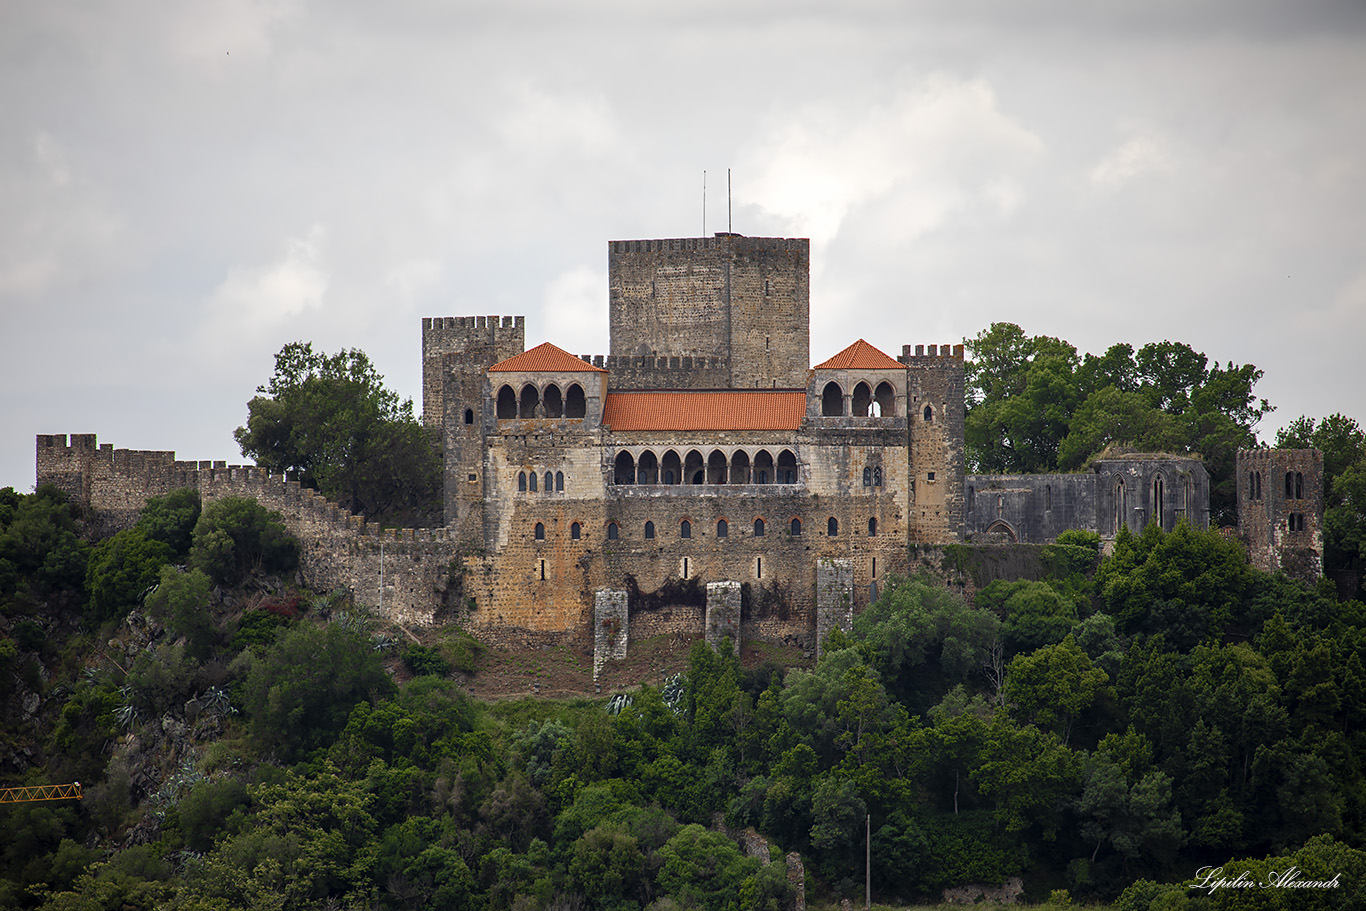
{"x": 171, "y": 519}
{"x": 235, "y": 536}
{"x": 122, "y": 570}
{"x": 422, "y": 660}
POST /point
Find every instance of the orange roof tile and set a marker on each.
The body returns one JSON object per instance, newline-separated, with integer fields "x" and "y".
{"x": 722, "y": 410}
{"x": 861, "y": 356}
{"x": 546, "y": 358}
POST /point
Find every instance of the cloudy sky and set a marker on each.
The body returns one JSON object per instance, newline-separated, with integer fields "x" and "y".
{"x": 186, "y": 187}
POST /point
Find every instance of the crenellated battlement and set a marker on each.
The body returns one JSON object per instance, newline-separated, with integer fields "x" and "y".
{"x": 663, "y": 372}
{"x": 712, "y": 244}
{"x": 937, "y": 354}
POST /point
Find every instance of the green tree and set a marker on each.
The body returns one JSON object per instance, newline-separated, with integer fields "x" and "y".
{"x": 236, "y": 535}
{"x": 171, "y": 519}
{"x": 1054, "y": 685}
{"x": 332, "y": 421}
{"x": 703, "y": 869}
{"x": 123, "y": 569}
{"x": 302, "y": 691}
{"x": 181, "y": 600}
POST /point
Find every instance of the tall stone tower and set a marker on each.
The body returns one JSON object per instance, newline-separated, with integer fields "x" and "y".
{"x": 1280, "y": 510}
{"x": 456, "y": 352}
{"x": 935, "y": 413}
{"x": 744, "y": 299}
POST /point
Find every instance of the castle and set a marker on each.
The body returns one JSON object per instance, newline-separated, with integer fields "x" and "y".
{"x": 698, "y": 477}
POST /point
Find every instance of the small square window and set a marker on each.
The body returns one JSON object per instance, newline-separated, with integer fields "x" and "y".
{"x": 929, "y": 476}
{"x": 472, "y": 477}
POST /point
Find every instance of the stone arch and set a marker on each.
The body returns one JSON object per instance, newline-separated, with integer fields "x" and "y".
{"x": 739, "y": 467}
{"x": 929, "y": 415}
{"x": 759, "y": 528}
{"x": 531, "y": 481}
{"x": 685, "y": 529}
{"x": 694, "y": 469}
{"x": 540, "y": 531}
{"x": 885, "y": 399}
{"x": 647, "y": 468}
{"x": 624, "y": 468}
{"x": 527, "y": 402}
{"x": 1121, "y": 505}
{"x": 795, "y": 527}
{"x": 863, "y": 398}
{"x": 649, "y": 531}
{"x": 559, "y": 482}
{"x": 575, "y": 404}
{"x": 549, "y": 482}
{"x": 553, "y": 401}
{"x": 716, "y": 467}
{"x": 1159, "y": 504}
{"x": 521, "y": 482}
{"x": 671, "y": 469}
{"x": 575, "y": 531}
{"x": 787, "y": 467}
{"x": 613, "y": 532}
{"x": 872, "y": 526}
{"x": 722, "y": 528}
{"x": 763, "y": 468}
{"x": 507, "y": 403}
{"x": 832, "y": 527}
{"x": 1001, "y": 529}
{"x": 832, "y": 400}
{"x": 469, "y": 415}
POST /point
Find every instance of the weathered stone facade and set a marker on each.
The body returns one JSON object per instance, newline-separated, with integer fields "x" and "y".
{"x": 1280, "y": 509}
{"x": 699, "y": 480}
{"x": 1132, "y": 490}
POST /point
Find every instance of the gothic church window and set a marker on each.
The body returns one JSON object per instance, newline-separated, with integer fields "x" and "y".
{"x": 559, "y": 481}
{"x": 929, "y": 414}
{"x": 531, "y": 481}
{"x": 877, "y": 475}
{"x": 867, "y": 477}
{"x": 521, "y": 482}
{"x": 549, "y": 482}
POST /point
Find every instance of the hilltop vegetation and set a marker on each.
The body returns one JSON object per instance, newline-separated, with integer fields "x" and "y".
{"x": 246, "y": 743}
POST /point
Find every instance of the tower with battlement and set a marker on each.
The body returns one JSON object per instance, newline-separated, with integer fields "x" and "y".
{"x": 935, "y": 407}
{"x": 746, "y": 300}
{"x": 1280, "y": 509}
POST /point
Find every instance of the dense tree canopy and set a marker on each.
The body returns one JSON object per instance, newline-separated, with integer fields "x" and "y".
{"x": 1035, "y": 405}
{"x": 331, "y": 420}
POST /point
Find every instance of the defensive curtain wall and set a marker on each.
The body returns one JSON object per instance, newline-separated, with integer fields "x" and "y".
{"x": 417, "y": 576}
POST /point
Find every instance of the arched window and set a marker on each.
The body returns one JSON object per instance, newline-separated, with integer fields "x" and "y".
{"x": 763, "y": 467}
{"x": 624, "y": 469}
{"x": 612, "y": 531}
{"x": 649, "y": 531}
{"x": 1047, "y": 497}
{"x": 1121, "y": 506}
{"x": 872, "y": 526}
{"x": 832, "y": 400}
{"x": 863, "y": 397}
{"x": 526, "y": 403}
{"x": 540, "y": 532}
{"x": 722, "y": 529}
{"x": 1290, "y": 485}
{"x": 1159, "y": 508}
{"x": 553, "y": 401}
{"x": 469, "y": 415}
{"x": 521, "y": 482}
{"x": 671, "y": 469}
{"x": 867, "y": 477}
{"x": 694, "y": 472}
{"x": 877, "y": 475}
{"x": 758, "y": 528}
{"x": 575, "y": 531}
{"x": 929, "y": 414}
{"x": 1259, "y": 485}
{"x": 796, "y": 527}
{"x": 716, "y": 467}
{"x": 1299, "y": 487}
{"x": 787, "y": 467}
{"x": 685, "y": 529}
{"x": 531, "y": 480}
{"x": 507, "y": 403}
{"x": 549, "y": 482}
{"x": 559, "y": 481}
{"x": 885, "y": 397}
{"x": 739, "y": 467}
{"x": 575, "y": 406}
{"x": 832, "y": 526}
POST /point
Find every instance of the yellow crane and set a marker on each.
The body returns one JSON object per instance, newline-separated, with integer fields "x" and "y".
{"x": 70, "y": 791}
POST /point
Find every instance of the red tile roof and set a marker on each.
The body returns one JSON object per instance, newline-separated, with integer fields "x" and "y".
{"x": 861, "y": 356}
{"x": 545, "y": 358}
{"x": 723, "y": 410}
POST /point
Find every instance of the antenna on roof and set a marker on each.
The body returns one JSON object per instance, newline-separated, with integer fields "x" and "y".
{"x": 704, "y": 202}
{"x": 729, "y": 229}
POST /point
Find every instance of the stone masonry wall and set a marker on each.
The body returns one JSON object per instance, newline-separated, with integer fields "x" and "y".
{"x": 834, "y": 606}
{"x": 935, "y": 380}
{"x": 611, "y": 628}
{"x": 339, "y": 550}
{"x": 1280, "y": 509}
{"x": 723, "y": 614}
